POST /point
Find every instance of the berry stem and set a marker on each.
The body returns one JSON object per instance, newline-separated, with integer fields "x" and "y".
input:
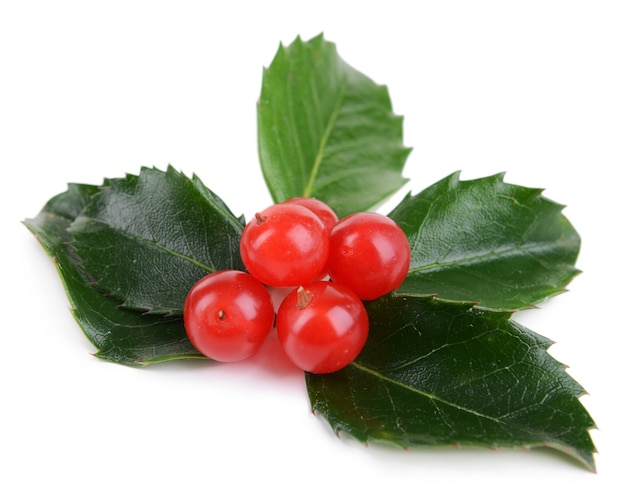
{"x": 260, "y": 219}
{"x": 304, "y": 298}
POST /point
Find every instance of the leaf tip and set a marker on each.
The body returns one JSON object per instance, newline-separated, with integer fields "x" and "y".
{"x": 454, "y": 179}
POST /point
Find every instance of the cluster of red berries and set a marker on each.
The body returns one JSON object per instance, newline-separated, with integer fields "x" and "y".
{"x": 332, "y": 266}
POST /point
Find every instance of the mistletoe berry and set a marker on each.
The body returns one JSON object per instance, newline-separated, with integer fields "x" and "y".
{"x": 322, "y": 326}
{"x": 320, "y": 208}
{"x": 228, "y": 315}
{"x": 369, "y": 253}
{"x": 285, "y": 245}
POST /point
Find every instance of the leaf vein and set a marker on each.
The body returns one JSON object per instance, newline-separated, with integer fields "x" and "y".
{"x": 325, "y": 136}
{"x": 159, "y": 246}
{"x": 433, "y": 398}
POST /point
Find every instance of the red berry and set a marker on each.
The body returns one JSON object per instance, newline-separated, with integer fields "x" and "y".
{"x": 322, "y": 326}
{"x": 228, "y": 315}
{"x": 369, "y": 253}
{"x": 285, "y": 245}
{"x": 320, "y": 208}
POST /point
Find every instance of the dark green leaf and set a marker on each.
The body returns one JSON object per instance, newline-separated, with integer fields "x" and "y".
{"x": 435, "y": 373}
{"x": 326, "y": 130}
{"x": 147, "y": 239}
{"x": 484, "y": 241}
{"x": 120, "y": 335}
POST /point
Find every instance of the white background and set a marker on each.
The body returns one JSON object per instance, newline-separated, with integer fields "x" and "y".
{"x": 96, "y": 89}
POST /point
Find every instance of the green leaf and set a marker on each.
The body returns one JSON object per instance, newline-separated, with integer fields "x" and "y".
{"x": 120, "y": 335}
{"x": 435, "y": 373}
{"x": 148, "y": 238}
{"x": 327, "y": 131}
{"x": 484, "y": 241}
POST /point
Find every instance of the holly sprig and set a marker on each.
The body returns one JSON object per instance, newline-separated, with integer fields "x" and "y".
{"x": 444, "y": 363}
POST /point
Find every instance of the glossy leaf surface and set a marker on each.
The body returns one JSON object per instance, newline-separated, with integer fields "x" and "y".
{"x": 121, "y": 336}
{"x": 435, "y": 373}
{"x": 485, "y": 241}
{"x": 327, "y": 131}
{"x": 148, "y": 238}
